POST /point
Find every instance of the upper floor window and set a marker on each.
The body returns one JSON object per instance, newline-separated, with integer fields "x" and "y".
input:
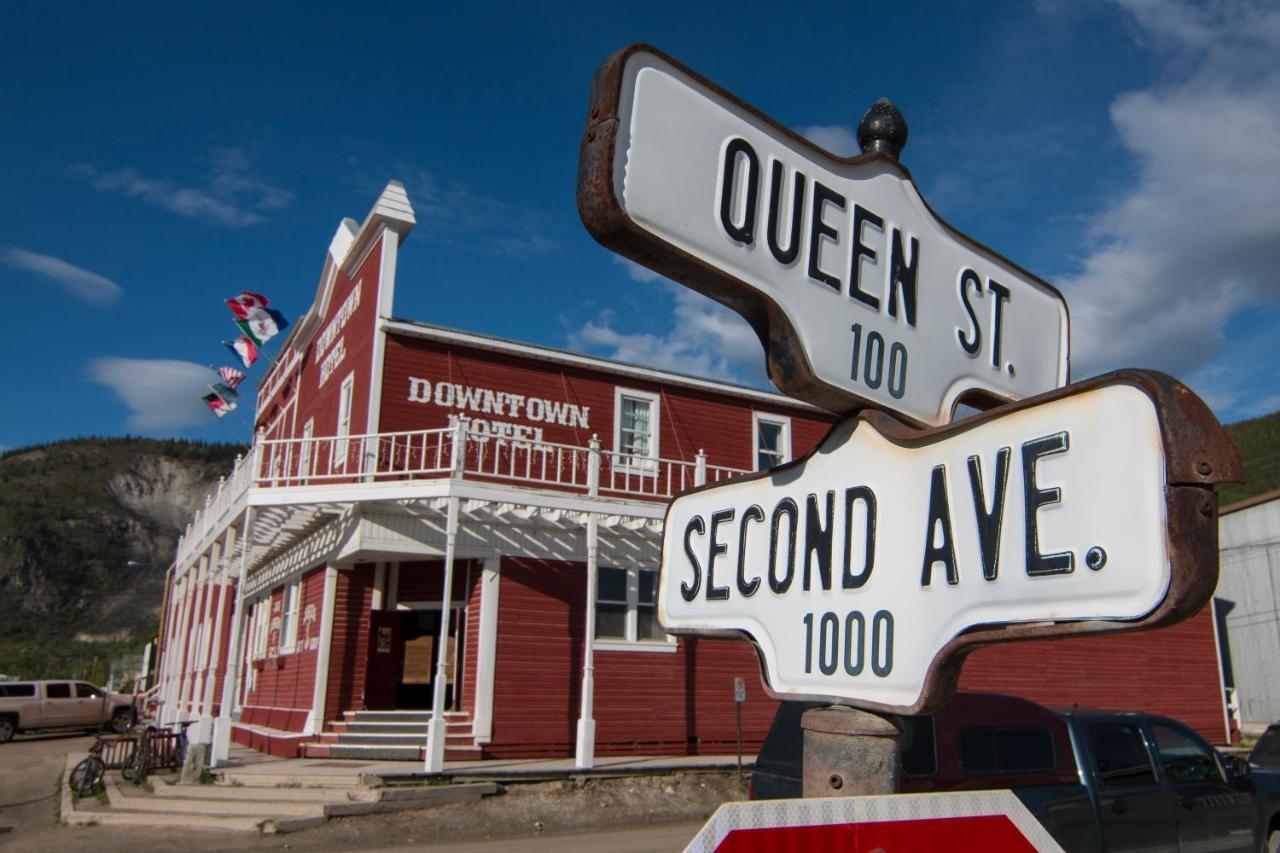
{"x": 289, "y": 622}
{"x": 304, "y": 449}
{"x": 627, "y": 606}
{"x": 635, "y": 430}
{"x": 345, "y": 394}
{"x": 773, "y": 440}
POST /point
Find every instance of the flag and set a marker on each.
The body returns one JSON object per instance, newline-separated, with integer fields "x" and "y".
{"x": 262, "y": 324}
{"x": 225, "y": 393}
{"x": 245, "y": 348}
{"x": 217, "y": 405}
{"x": 244, "y": 303}
{"x": 254, "y": 318}
{"x": 231, "y": 377}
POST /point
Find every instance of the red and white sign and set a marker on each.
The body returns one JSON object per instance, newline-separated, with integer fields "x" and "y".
{"x": 993, "y": 821}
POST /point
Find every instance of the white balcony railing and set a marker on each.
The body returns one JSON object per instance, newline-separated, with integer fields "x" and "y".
{"x": 447, "y": 452}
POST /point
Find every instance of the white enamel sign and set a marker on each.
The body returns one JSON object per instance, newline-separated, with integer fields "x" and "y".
{"x": 853, "y": 568}
{"x": 861, "y": 295}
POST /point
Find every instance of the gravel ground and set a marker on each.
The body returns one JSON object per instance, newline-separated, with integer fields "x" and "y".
{"x": 29, "y": 769}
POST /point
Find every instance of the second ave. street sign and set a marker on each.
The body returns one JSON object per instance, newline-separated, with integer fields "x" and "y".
{"x": 864, "y": 571}
{"x": 860, "y": 294}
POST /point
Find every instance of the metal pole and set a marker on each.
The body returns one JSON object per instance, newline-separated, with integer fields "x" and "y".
{"x": 849, "y": 753}
{"x": 737, "y": 709}
{"x": 436, "y": 733}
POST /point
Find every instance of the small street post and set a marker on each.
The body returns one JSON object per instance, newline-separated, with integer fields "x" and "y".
{"x": 865, "y": 571}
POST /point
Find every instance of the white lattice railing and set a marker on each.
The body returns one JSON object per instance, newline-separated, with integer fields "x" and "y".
{"x": 451, "y": 451}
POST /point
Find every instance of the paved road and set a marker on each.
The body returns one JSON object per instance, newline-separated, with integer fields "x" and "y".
{"x": 29, "y": 767}
{"x": 648, "y": 839}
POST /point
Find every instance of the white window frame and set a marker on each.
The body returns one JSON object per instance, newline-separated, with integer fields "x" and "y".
{"x": 631, "y": 642}
{"x": 304, "y": 450}
{"x": 627, "y": 463}
{"x": 783, "y": 421}
{"x": 289, "y": 617}
{"x": 261, "y": 610}
{"x": 346, "y": 394}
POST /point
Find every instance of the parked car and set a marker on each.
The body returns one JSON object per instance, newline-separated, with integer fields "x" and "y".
{"x": 27, "y": 706}
{"x": 1097, "y": 780}
{"x": 1266, "y": 752}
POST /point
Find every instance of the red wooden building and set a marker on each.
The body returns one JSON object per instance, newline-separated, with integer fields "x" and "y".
{"x": 306, "y": 611}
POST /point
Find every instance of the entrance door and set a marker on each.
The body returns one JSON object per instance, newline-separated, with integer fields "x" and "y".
{"x": 402, "y": 659}
{"x": 385, "y": 651}
{"x": 420, "y": 631}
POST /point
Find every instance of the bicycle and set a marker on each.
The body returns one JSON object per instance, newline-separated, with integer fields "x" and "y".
{"x": 138, "y": 763}
{"x": 87, "y": 775}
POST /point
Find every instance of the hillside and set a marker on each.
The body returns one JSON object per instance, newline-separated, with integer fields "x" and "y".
{"x": 87, "y": 529}
{"x": 1259, "y": 443}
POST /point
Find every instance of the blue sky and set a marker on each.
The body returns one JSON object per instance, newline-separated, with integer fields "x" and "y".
{"x": 157, "y": 160}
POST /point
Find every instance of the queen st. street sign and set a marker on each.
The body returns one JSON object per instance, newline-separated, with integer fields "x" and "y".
{"x": 860, "y": 294}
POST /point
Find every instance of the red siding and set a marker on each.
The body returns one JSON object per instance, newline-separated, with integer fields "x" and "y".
{"x": 720, "y": 424}
{"x": 320, "y": 401}
{"x": 281, "y": 698}
{"x": 1171, "y": 671}
{"x": 645, "y": 702}
{"x": 349, "y": 650}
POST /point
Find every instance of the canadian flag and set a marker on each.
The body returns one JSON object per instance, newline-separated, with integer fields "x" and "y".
{"x": 244, "y": 304}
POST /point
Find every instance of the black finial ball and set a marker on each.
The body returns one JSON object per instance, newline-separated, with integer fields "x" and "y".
{"x": 883, "y": 129}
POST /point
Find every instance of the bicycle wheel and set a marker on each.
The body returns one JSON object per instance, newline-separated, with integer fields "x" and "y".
{"x": 87, "y": 776}
{"x": 135, "y": 768}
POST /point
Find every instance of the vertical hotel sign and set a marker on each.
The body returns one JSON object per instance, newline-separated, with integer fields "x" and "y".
{"x": 331, "y": 346}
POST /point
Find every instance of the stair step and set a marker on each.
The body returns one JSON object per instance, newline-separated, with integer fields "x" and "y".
{"x": 177, "y": 820}
{"x": 398, "y": 716}
{"x": 376, "y": 726}
{"x": 260, "y": 795}
{"x": 387, "y": 738}
{"x": 302, "y": 781}
{"x": 223, "y": 808}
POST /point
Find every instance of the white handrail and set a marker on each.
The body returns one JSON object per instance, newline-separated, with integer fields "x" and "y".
{"x": 449, "y": 451}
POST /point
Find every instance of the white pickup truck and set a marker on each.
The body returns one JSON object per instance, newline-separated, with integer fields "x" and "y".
{"x": 34, "y": 705}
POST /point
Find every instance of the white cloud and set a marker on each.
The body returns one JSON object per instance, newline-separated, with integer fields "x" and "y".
{"x": 231, "y": 195}
{"x": 461, "y": 216}
{"x": 161, "y": 394}
{"x": 836, "y": 138}
{"x": 704, "y": 338}
{"x": 1196, "y": 239}
{"x": 635, "y": 271}
{"x": 96, "y": 290}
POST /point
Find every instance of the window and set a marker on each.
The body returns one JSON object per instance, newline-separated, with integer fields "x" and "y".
{"x": 1184, "y": 759}
{"x": 57, "y": 691}
{"x": 919, "y": 746}
{"x": 17, "y": 690}
{"x": 627, "y": 607}
{"x": 1006, "y": 750}
{"x": 87, "y": 691}
{"x": 1120, "y": 755}
{"x": 259, "y": 618}
{"x": 773, "y": 441}
{"x": 304, "y": 451}
{"x": 289, "y": 624}
{"x": 635, "y": 431}
{"x": 344, "y": 422}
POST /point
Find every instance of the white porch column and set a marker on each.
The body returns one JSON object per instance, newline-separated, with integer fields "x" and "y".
{"x": 206, "y": 632}
{"x": 320, "y": 693}
{"x": 231, "y": 681}
{"x": 213, "y": 658}
{"x": 487, "y": 649}
{"x": 436, "y": 733}
{"x": 585, "y": 753}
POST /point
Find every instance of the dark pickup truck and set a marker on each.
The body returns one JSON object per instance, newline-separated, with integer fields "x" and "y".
{"x": 1097, "y": 780}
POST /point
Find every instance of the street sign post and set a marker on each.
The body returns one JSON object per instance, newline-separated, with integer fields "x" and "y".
{"x": 860, "y": 294}
{"x": 865, "y": 571}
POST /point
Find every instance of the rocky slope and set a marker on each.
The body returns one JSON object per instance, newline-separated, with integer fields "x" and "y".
{"x": 87, "y": 529}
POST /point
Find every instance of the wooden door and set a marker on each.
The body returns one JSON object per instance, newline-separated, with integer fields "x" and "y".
{"x": 385, "y": 656}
